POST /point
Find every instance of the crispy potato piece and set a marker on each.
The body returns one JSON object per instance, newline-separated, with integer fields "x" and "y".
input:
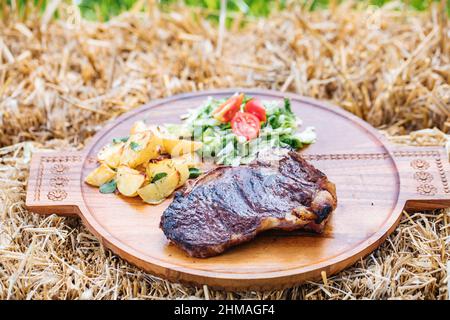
{"x": 168, "y": 184}
{"x": 140, "y": 148}
{"x": 165, "y": 165}
{"x": 150, "y": 194}
{"x": 183, "y": 170}
{"x": 110, "y": 154}
{"x": 192, "y": 160}
{"x": 129, "y": 181}
{"x": 178, "y": 147}
{"x": 138, "y": 126}
{"x": 155, "y": 193}
{"x": 100, "y": 175}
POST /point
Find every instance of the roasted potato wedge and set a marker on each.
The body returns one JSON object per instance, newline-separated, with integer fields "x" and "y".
{"x": 138, "y": 126}
{"x": 110, "y": 154}
{"x": 129, "y": 181}
{"x": 168, "y": 184}
{"x": 140, "y": 148}
{"x": 157, "y": 192}
{"x": 100, "y": 175}
{"x": 150, "y": 194}
{"x": 165, "y": 165}
{"x": 192, "y": 160}
{"x": 178, "y": 147}
{"x": 183, "y": 170}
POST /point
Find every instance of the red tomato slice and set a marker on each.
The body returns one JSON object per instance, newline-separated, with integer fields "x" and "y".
{"x": 255, "y": 107}
{"x": 226, "y": 111}
{"x": 246, "y": 125}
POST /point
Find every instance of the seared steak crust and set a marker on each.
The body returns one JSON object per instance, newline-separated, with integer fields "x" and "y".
{"x": 230, "y": 205}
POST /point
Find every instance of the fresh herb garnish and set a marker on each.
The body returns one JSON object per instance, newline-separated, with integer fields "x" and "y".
{"x": 273, "y": 121}
{"x": 292, "y": 141}
{"x": 287, "y": 105}
{"x": 225, "y": 126}
{"x": 108, "y": 187}
{"x": 118, "y": 140}
{"x": 159, "y": 176}
{"x": 135, "y": 146}
{"x": 194, "y": 173}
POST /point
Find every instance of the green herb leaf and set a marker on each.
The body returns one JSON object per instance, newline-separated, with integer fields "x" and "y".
{"x": 287, "y": 105}
{"x": 159, "y": 176}
{"x": 273, "y": 121}
{"x": 118, "y": 140}
{"x": 108, "y": 187}
{"x": 194, "y": 173}
{"x": 135, "y": 146}
{"x": 292, "y": 141}
{"x": 225, "y": 126}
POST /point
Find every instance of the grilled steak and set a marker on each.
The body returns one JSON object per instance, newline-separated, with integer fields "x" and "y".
{"x": 231, "y": 205}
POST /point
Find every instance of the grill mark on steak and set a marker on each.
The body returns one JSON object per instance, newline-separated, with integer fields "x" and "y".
{"x": 231, "y": 205}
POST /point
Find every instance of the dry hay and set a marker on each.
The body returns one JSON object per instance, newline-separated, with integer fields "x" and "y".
{"x": 61, "y": 80}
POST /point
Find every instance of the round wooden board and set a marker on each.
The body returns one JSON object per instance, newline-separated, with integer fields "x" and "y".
{"x": 349, "y": 151}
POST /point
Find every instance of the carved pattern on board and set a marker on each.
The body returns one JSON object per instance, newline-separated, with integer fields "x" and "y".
{"x": 58, "y": 180}
{"x": 426, "y": 189}
{"x": 442, "y": 175}
{"x": 59, "y": 168}
{"x": 421, "y": 153}
{"x": 423, "y": 176}
{"x": 57, "y": 195}
{"x": 420, "y": 164}
{"x": 40, "y": 174}
{"x": 59, "y": 159}
{"x": 372, "y": 156}
{"x": 346, "y": 156}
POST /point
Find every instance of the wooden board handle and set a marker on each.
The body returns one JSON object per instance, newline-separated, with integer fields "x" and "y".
{"x": 424, "y": 176}
{"x": 54, "y": 182}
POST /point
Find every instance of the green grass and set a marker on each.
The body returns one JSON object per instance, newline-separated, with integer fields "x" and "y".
{"x": 105, "y": 9}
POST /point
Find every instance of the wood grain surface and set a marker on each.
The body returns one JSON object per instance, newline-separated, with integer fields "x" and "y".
{"x": 375, "y": 181}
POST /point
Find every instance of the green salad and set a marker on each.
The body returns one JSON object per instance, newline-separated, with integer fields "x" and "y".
{"x": 234, "y": 130}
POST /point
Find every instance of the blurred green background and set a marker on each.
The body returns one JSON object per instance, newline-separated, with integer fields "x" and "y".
{"x": 105, "y": 9}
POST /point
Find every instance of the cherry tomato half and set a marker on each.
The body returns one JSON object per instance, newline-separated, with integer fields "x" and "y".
{"x": 246, "y": 125}
{"x": 226, "y": 111}
{"x": 255, "y": 107}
